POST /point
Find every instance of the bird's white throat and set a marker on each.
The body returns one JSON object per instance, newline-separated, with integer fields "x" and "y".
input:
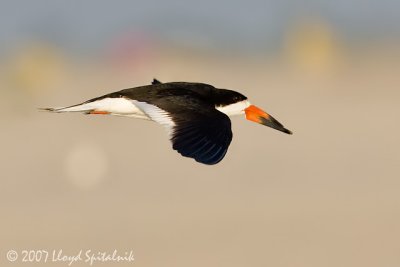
{"x": 235, "y": 108}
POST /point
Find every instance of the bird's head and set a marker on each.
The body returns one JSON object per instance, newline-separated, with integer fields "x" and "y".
{"x": 233, "y": 103}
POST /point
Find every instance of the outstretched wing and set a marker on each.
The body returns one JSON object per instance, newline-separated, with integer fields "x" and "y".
{"x": 197, "y": 131}
{"x": 206, "y": 141}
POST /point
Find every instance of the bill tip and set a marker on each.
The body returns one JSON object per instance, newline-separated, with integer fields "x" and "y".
{"x": 287, "y": 131}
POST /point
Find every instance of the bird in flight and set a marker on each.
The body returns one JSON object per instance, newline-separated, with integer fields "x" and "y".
{"x": 195, "y": 115}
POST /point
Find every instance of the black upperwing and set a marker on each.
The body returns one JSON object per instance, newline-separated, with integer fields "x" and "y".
{"x": 201, "y": 132}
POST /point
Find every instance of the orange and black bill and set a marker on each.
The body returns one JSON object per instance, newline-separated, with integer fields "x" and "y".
{"x": 256, "y": 114}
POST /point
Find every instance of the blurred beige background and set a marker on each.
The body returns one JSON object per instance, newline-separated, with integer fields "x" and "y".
{"x": 326, "y": 196}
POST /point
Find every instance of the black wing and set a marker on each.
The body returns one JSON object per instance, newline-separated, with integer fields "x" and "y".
{"x": 205, "y": 139}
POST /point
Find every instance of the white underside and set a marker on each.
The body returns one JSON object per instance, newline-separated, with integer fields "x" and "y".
{"x": 114, "y": 106}
{"x": 132, "y": 108}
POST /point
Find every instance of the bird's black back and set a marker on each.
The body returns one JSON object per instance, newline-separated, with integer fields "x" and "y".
{"x": 184, "y": 91}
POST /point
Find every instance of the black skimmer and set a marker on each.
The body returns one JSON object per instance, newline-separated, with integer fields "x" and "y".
{"x": 196, "y": 115}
